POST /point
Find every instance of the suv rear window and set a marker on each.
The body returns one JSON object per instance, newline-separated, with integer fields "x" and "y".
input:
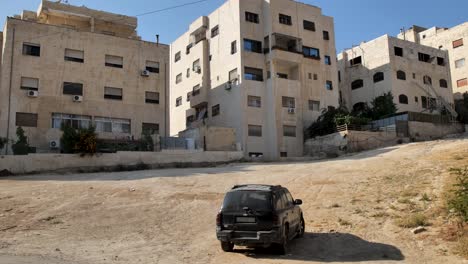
{"x": 255, "y": 200}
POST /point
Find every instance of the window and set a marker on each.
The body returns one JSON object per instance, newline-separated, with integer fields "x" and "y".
{"x": 326, "y": 35}
{"x": 329, "y": 85}
{"x": 281, "y": 75}
{"x": 215, "y": 31}
{"x": 187, "y": 49}
{"x": 178, "y": 101}
{"x": 289, "y": 131}
{"x": 177, "y": 57}
{"x": 112, "y": 93}
{"x": 460, "y": 63}
{"x": 285, "y": 19}
{"x": 427, "y": 80}
{"x": 378, "y": 77}
{"x": 178, "y": 78}
{"x": 424, "y": 102}
{"x": 339, "y": 76}
{"x": 72, "y": 88}
{"x": 416, "y": 99}
{"x": 112, "y": 125}
{"x": 150, "y": 128}
{"x": 253, "y": 74}
{"x": 196, "y": 66}
{"x": 32, "y": 49}
{"x": 403, "y": 99}
{"x": 357, "y": 84}
{"x": 440, "y": 61}
{"x": 29, "y": 83}
{"x": 309, "y": 25}
{"x": 234, "y": 47}
{"x": 188, "y": 73}
{"x": 233, "y": 75}
{"x": 309, "y": 75}
{"x": 189, "y": 120}
{"x": 196, "y": 90}
{"x": 462, "y": 83}
{"x": 356, "y": 61}
{"x": 74, "y": 55}
{"x": 251, "y": 17}
{"x": 315, "y": 77}
{"x": 254, "y": 101}
{"x": 255, "y": 131}
{"x": 327, "y": 60}
{"x": 424, "y": 57}
{"x": 215, "y": 110}
{"x": 398, "y": 51}
{"x": 314, "y": 105}
{"x": 253, "y": 45}
{"x": 26, "y": 120}
{"x": 74, "y": 121}
{"x": 288, "y": 102}
{"x": 152, "y": 66}
{"x": 283, "y": 154}
{"x": 457, "y": 43}
{"x": 114, "y": 61}
{"x": 152, "y": 97}
{"x": 401, "y": 75}
{"x": 443, "y": 83}
{"x": 311, "y": 52}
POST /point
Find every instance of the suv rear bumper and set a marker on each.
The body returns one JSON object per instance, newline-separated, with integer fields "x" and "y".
{"x": 249, "y": 238}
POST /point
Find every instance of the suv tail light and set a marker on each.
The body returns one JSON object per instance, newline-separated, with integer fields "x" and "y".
{"x": 275, "y": 220}
{"x": 219, "y": 219}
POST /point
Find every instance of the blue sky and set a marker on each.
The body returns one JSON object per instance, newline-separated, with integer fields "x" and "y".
{"x": 355, "y": 20}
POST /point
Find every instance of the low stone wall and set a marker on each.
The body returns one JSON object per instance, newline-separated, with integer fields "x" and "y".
{"x": 421, "y": 131}
{"x": 350, "y": 141}
{"x": 38, "y": 163}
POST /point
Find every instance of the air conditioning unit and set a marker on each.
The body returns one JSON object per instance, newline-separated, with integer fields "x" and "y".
{"x": 145, "y": 73}
{"x": 291, "y": 110}
{"x": 54, "y": 144}
{"x": 77, "y": 98}
{"x": 228, "y": 86}
{"x": 33, "y": 93}
{"x": 197, "y": 69}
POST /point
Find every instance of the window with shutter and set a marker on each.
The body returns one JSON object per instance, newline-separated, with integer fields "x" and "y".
{"x": 114, "y": 61}
{"x": 152, "y": 97}
{"x": 29, "y": 83}
{"x": 26, "y": 120}
{"x": 74, "y": 55}
{"x": 113, "y": 93}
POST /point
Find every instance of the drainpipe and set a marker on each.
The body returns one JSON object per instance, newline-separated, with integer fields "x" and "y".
{"x": 9, "y": 90}
{"x": 166, "y": 111}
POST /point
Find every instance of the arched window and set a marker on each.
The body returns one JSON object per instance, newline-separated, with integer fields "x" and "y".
{"x": 427, "y": 79}
{"x": 378, "y": 77}
{"x": 403, "y": 99}
{"x": 443, "y": 83}
{"x": 401, "y": 75}
{"x": 358, "y": 107}
{"x": 357, "y": 84}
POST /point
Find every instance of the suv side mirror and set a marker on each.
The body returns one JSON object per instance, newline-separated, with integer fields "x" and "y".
{"x": 298, "y": 202}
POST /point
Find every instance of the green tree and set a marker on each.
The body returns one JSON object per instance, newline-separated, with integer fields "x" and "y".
{"x": 381, "y": 106}
{"x": 69, "y": 138}
{"x": 81, "y": 141}
{"x": 461, "y": 106}
{"x": 146, "y": 142}
{"x": 21, "y": 146}
{"x": 459, "y": 200}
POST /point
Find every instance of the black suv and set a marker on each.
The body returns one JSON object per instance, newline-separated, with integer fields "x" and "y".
{"x": 259, "y": 216}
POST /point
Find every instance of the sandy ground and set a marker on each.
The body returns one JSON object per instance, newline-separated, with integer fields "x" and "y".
{"x": 351, "y": 206}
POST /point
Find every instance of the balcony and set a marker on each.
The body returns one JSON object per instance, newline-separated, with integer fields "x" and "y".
{"x": 286, "y": 48}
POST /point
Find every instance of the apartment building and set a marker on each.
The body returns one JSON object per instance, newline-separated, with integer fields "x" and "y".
{"x": 451, "y": 39}
{"x": 266, "y": 68}
{"x": 72, "y": 65}
{"x": 418, "y": 76}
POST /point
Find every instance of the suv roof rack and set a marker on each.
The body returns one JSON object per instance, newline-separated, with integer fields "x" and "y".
{"x": 254, "y": 186}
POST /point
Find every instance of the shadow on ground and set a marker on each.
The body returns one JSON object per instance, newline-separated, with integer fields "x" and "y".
{"x": 330, "y": 247}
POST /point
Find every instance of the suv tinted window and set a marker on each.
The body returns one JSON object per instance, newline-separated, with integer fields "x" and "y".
{"x": 289, "y": 197}
{"x": 286, "y": 203}
{"x": 258, "y": 201}
{"x": 279, "y": 204}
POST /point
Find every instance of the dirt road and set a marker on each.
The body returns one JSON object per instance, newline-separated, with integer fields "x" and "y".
{"x": 352, "y": 206}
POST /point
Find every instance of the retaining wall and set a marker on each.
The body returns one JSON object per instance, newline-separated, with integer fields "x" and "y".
{"x": 36, "y": 163}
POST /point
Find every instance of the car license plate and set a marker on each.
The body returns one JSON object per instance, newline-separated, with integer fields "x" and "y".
{"x": 245, "y": 219}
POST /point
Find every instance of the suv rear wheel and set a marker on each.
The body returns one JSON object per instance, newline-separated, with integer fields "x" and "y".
{"x": 227, "y": 246}
{"x": 282, "y": 247}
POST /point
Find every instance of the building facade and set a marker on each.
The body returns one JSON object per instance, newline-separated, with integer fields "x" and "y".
{"x": 72, "y": 65}
{"x": 266, "y": 68}
{"x": 417, "y": 76}
{"x": 451, "y": 39}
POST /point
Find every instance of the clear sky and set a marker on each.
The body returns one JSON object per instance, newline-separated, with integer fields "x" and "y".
{"x": 355, "y": 20}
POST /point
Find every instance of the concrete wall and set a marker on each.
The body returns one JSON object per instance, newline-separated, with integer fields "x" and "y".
{"x": 421, "y": 131}
{"x": 213, "y": 138}
{"x": 35, "y": 163}
{"x": 333, "y": 144}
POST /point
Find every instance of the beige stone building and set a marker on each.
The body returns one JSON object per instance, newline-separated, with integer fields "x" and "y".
{"x": 68, "y": 64}
{"x": 454, "y": 40}
{"x": 418, "y": 76}
{"x": 263, "y": 67}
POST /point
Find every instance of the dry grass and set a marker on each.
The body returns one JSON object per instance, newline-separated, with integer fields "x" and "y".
{"x": 462, "y": 246}
{"x": 412, "y": 221}
{"x": 344, "y": 222}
